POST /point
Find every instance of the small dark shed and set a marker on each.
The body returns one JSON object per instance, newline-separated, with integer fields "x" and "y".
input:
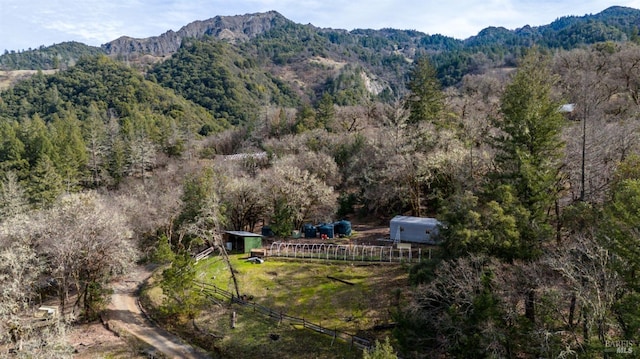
{"x": 241, "y": 241}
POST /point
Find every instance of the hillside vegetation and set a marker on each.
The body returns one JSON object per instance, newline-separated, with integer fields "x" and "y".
{"x": 115, "y": 160}
{"x": 385, "y": 53}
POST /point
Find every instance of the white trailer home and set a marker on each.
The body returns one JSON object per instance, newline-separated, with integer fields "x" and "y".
{"x": 414, "y": 229}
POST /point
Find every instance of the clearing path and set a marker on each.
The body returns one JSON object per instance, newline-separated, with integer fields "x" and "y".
{"x": 125, "y": 315}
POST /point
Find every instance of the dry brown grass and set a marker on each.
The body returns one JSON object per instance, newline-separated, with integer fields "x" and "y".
{"x": 8, "y": 78}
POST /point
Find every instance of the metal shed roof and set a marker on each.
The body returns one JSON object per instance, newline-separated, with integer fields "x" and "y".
{"x": 417, "y": 220}
{"x": 243, "y": 234}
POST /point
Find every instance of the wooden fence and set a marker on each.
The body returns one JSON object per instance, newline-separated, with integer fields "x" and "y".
{"x": 212, "y": 291}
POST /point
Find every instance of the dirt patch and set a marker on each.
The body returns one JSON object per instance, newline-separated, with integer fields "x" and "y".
{"x": 327, "y": 62}
{"x": 95, "y": 341}
{"x": 367, "y": 233}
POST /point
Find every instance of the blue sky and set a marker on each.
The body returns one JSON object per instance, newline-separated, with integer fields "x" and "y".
{"x": 30, "y": 23}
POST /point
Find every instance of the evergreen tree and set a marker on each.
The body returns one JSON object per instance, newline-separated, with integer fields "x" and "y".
{"x": 45, "y": 184}
{"x": 529, "y": 147}
{"x": 620, "y": 234}
{"x": 196, "y": 191}
{"x": 305, "y": 119}
{"x": 12, "y": 150}
{"x": 382, "y": 350}
{"x": 426, "y": 100}
{"x": 326, "y": 112}
{"x": 70, "y": 147}
{"x": 37, "y": 140}
{"x": 181, "y": 299}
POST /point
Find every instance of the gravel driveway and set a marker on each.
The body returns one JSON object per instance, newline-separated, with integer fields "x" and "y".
{"x": 124, "y": 315}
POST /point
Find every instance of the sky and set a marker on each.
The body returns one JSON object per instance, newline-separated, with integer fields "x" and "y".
{"x": 28, "y": 24}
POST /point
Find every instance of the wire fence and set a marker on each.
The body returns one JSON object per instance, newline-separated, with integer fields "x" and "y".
{"x": 211, "y": 291}
{"x": 348, "y": 252}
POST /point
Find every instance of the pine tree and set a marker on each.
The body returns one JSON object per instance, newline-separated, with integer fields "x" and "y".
{"x": 12, "y": 150}
{"x": 45, "y": 184}
{"x": 36, "y": 138}
{"x": 326, "y": 112}
{"x": 426, "y": 100}
{"x": 529, "y": 147}
{"x": 70, "y": 147}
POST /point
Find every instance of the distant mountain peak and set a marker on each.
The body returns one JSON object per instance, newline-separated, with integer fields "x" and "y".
{"x": 232, "y": 28}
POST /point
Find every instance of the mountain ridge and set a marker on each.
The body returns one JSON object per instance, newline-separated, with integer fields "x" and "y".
{"x": 230, "y": 28}
{"x": 280, "y": 46}
{"x": 243, "y": 27}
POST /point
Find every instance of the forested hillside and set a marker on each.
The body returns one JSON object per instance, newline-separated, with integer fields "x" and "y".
{"x": 92, "y": 125}
{"x": 387, "y": 53}
{"x": 229, "y": 85}
{"x": 114, "y": 158}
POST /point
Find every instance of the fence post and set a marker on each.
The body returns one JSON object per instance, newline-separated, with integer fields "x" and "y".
{"x": 233, "y": 319}
{"x": 334, "y": 336}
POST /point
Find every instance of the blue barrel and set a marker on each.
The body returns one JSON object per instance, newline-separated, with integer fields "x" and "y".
{"x": 342, "y": 228}
{"x": 267, "y": 231}
{"x": 326, "y": 229}
{"x": 309, "y": 231}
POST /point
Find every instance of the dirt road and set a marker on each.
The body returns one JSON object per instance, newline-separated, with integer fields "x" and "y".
{"x": 124, "y": 315}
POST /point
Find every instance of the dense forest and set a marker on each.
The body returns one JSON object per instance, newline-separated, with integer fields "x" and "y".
{"x": 523, "y": 143}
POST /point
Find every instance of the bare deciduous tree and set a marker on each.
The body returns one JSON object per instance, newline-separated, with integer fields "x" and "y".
{"x": 13, "y": 199}
{"x": 585, "y": 79}
{"x": 304, "y": 196}
{"x": 245, "y": 203}
{"x": 587, "y": 268}
{"x": 86, "y": 243}
{"x": 21, "y": 273}
{"x": 320, "y": 164}
{"x": 142, "y": 156}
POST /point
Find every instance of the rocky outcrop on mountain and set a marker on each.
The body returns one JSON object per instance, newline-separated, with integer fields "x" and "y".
{"x": 231, "y": 28}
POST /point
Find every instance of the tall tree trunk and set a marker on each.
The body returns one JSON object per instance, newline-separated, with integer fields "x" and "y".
{"x": 223, "y": 251}
{"x": 558, "y": 223}
{"x": 585, "y": 326}
{"x": 529, "y": 308}
{"x": 572, "y": 309}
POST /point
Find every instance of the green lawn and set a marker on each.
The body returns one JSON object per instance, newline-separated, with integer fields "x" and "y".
{"x": 302, "y": 289}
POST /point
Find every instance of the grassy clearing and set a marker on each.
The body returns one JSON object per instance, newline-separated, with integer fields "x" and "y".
{"x": 303, "y": 289}
{"x": 300, "y": 289}
{"x": 256, "y": 336}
